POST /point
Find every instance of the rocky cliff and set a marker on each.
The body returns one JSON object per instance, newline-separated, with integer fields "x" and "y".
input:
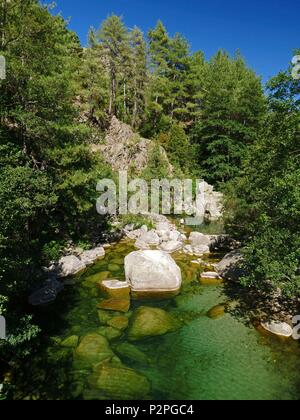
{"x": 124, "y": 149}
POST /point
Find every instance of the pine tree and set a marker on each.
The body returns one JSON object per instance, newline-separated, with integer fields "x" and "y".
{"x": 113, "y": 37}
{"x": 232, "y": 109}
{"x": 139, "y": 76}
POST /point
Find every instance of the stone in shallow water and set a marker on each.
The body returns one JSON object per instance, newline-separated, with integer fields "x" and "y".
{"x": 119, "y": 322}
{"x": 105, "y": 316}
{"x": 119, "y": 305}
{"x": 216, "y": 312}
{"x": 98, "y": 277}
{"x": 110, "y": 333}
{"x": 150, "y": 322}
{"x": 115, "y": 289}
{"x": 89, "y": 257}
{"x": 70, "y": 266}
{"x": 131, "y": 352}
{"x": 211, "y": 282}
{"x": 210, "y": 275}
{"x": 114, "y": 267}
{"x": 118, "y": 382}
{"x": 93, "y": 349}
{"x": 171, "y": 246}
{"x": 211, "y": 278}
{"x": 197, "y": 238}
{"x": 278, "y": 328}
{"x": 71, "y": 342}
{"x": 151, "y": 273}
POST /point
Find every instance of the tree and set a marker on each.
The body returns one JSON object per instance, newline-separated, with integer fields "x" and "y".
{"x": 264, "y": 202}
{"x": 177, "y": 145}
{"x": 233, "y": 106}
{"x": 113, "y": 37}
{"x": 139, "y": 76}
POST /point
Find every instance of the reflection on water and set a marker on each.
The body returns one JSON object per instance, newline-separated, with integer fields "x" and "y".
{"x": 209, "y": 357}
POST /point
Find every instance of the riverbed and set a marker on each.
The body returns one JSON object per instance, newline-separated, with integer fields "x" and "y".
{"x": 214, "y": 355}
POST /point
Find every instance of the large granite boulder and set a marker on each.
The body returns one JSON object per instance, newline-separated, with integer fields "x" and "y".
{"x": 152, "y": 273}
{"x": 70, "y": 266}
{"x": 199, "y": 239}
{"x": 150, "y": 322}
{"x": 230, "y": 267}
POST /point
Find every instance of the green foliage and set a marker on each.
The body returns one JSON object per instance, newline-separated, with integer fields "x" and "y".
{"x": 157, "y": 167}
{"x": 177, "y": 145}
{"x": 137, "y": 220}
{"x": 233, "y": 106}
{"x": 264, "y": 202}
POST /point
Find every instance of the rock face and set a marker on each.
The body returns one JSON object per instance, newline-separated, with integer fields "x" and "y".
{"x": 123, "y": 147}
{"x": 89, "y": 257}
{"x": 230, "y": 266}
{"x": 150, "y": 322}
{"x": 151, "y": 273}
{"x": 278, "y": 328}
{"x": 70, "y": 266}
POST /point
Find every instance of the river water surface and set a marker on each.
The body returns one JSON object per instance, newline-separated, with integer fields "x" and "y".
{"x": 208, "y": 358}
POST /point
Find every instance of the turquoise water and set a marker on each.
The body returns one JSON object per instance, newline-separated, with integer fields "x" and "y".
{"x": 206, "y": 358}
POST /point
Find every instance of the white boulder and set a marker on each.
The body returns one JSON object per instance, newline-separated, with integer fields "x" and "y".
{"x": 91, "y": 256}
{"x": 278, "y": 328}
{"x": 171, "y": 246}
{"x": 151, "y": 273}
{"x": 70, "y": 266}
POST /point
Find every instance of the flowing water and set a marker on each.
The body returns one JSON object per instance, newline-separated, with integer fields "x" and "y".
{"x": 217, "y": 357}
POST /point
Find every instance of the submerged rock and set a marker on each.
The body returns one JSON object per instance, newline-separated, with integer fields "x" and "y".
{"x": 217, "y": 312}
{"x": 120, "y": 305}
{"x": 119, "y": 322}
{"x": 110, "y": 333}
{"x": 117, "y": 382}
{"x": 150, "y": 322}
{"x": 152, "y": 273}
{"x": 132, "y": 353}
{"x": 278, "y": 328}
{"x": 93, "y": 349}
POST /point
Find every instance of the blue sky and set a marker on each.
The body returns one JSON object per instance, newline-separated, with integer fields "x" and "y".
{"x": 265, "y": 31}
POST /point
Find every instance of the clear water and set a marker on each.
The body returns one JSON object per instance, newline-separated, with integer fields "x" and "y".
{"x": 207, "y": 358}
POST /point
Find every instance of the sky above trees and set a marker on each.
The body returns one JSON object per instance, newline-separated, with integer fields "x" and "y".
{"x": 266, "y": 32}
